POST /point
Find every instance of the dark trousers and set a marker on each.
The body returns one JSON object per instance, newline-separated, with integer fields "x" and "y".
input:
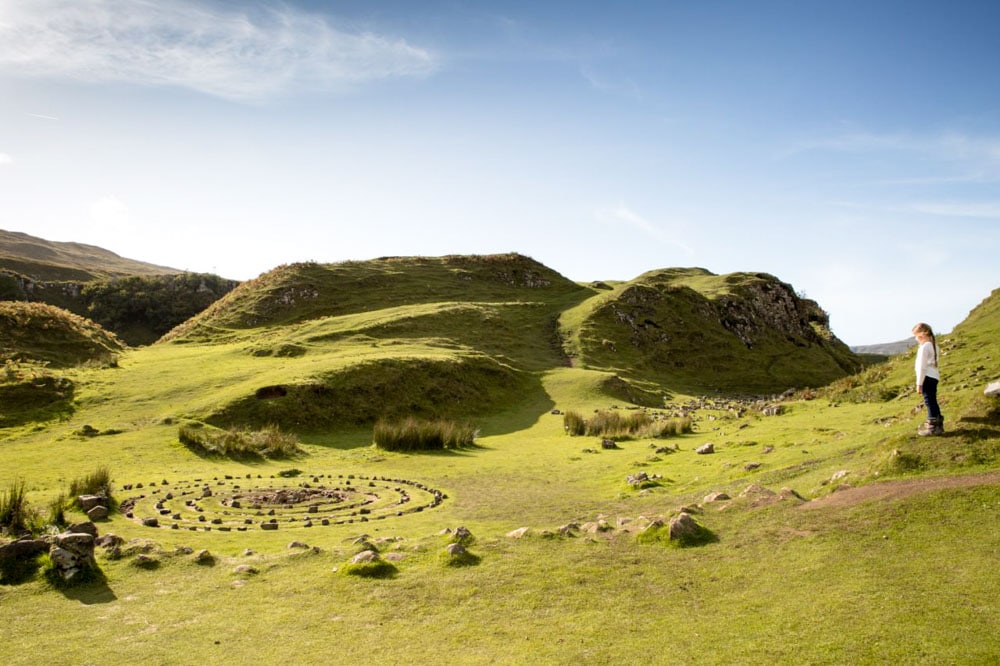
{"x": 929, "y": 390}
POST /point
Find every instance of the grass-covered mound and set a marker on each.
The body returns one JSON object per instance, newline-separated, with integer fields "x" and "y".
{"x": 32, "y": 393}
{"x": 387, "y": 388}
{"x": 689, "y": 328}
{"x": 51, "y": 335}
{"x": 300, "y": 292}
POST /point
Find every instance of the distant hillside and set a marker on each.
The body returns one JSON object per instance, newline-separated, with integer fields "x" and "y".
{"x": 51, "y": 261}
{"x": 137, "y": 301}
{"x": 885, "y": 349}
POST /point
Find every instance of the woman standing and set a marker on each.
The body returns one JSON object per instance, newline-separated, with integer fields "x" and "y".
{"x": 928, "y": 376}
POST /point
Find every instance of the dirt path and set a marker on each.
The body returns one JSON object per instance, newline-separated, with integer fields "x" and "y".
{"x": 892, "y": 490}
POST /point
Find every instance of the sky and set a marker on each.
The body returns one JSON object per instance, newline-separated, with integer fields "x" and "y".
{"x": 850, "y": 148}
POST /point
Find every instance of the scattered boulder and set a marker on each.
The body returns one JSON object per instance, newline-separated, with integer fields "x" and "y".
{"x": 682, "y": 525}
{"x": 992, "y": 389}
{"x": 18, "y": 559}
{"x": 518, "y": 533}
{"x": 705, "y": 449}
{"x": 204, "y": 557}
{"x": 751, "y": 466}
{"x": 98, "y": 513}
{"x": 246, "y": 570}
{"x": 755, "y": 490}
{"x": 88, "y": 502}
{"x": 609, "y": 444}
{"x": 715, "y": 497}
{"x": 72, "y": 555}
{"x": 365, "y": 556}
{"x": 83, "y": 528}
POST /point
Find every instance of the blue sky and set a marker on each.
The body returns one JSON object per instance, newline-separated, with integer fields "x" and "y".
{"x": 850, "y": 148}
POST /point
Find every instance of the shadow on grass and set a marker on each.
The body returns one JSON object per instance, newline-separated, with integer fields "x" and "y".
{"x": 97, "y": 592}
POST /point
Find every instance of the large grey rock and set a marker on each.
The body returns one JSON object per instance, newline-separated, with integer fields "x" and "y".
{"x": 98, "y": 513}
{"x": 705, "y": 449}
{"x": 992, "y": 389}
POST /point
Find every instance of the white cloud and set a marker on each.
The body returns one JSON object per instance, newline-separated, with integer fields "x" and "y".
{"x": 249, "y": 53}
{"x": 110, "y": 214}
{"x": 5, "y": 159}
{"x": 622, "y": 214}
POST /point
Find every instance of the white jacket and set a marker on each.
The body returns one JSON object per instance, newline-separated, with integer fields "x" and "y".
{"x": 926, "y": 363}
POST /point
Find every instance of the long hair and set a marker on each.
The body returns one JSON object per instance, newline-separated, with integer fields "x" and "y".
{"x": 927, "y": 330}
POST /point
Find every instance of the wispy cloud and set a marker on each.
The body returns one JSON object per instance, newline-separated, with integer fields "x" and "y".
{"x": 42, "y": 116}
{"x": 968, "y": 157}
{"x": 5, "y": 159}
{"x": 989, "y": 210}
{"x": 624, "y": 87}
{"x": 622, "y": 214}
{"x": 250, "y": 53}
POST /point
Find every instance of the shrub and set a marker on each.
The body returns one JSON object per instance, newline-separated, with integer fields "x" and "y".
{"x": 268, "y": 442}
{"x": 413, "y": 434}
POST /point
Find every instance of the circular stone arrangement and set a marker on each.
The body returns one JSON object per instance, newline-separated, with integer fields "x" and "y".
{"x": 233, "y": 504}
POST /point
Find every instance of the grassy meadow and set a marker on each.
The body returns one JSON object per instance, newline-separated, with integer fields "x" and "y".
{"x": 785, "y": 578}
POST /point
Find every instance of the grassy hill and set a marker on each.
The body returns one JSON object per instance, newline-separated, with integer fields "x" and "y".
{"x": 828, "y": 550}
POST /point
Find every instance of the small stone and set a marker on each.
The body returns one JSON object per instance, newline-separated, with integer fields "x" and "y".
{"x": 705, "y": 449}
{"x": 518, "y": 533}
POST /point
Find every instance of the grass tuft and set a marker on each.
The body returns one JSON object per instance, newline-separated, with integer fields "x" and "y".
{"x": 15, "y": 517}
{"x": 615, "y": 425}
{"x": 413, "y": 434}
{"x": 268, "y": 442}
{"x": 96, "y": 483}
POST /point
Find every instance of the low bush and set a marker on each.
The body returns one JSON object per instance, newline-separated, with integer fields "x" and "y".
{"x": 268, "y": 442}
{"x": 615, "y": 425}
{"x": 413, "y": 434}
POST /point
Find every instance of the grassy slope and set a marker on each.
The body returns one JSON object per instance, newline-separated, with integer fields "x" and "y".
{"x": 862, "y": 584}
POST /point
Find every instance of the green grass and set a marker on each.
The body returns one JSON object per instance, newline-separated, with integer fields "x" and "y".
{"x": 862, "y": 583}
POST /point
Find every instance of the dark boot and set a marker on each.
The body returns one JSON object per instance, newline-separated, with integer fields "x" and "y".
{"x": 937, "y": 426}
